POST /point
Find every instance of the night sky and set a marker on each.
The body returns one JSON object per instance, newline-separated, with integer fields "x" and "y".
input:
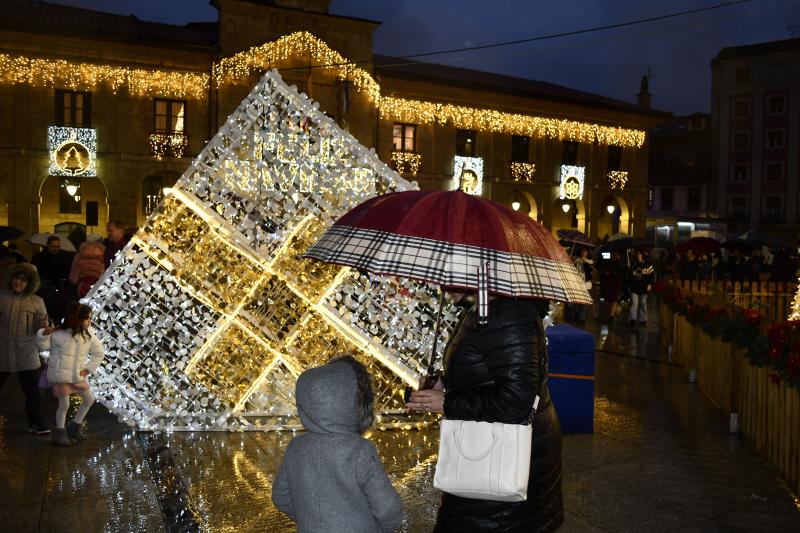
{"x": 676, "y": 51}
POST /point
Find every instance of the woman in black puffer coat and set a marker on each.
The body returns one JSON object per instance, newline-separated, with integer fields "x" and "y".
{"x": 492, "y": 374}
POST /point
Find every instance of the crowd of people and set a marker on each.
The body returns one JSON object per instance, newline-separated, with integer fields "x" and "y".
{"x": 39, "y": 315}
{"x": 628, "y": 276}
{"x": 736, "y": 265}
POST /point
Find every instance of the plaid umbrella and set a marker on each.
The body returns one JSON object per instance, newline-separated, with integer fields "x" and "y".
{"x": 449, "y": 238}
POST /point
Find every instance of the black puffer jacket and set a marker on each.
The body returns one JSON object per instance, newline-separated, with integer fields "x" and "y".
{"x": 493, "y": 373}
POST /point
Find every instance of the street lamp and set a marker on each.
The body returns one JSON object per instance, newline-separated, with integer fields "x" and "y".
{"x": 72, "y": 189}
{"x": 610, "y": 209}
{"x": 565, "y": 207}
{"x": 515, "y": 205}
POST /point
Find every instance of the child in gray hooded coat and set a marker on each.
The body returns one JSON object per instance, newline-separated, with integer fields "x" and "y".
{"x": 331, "y": 478}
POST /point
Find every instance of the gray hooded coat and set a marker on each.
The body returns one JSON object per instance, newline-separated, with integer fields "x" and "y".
{"x": 331, "y": 479}
{"x": 21, "y": 315}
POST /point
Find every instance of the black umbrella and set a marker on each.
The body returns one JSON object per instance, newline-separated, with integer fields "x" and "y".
{"x": 9, "y": 233}
{"x": 626, "y": 243}
{"x": 756, "y": 239}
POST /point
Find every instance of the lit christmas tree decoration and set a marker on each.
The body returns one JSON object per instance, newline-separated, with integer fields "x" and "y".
{"x": 210, "y": 314}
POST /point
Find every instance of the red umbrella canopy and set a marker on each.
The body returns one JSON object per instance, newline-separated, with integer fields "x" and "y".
{"x": 446, "y": 237}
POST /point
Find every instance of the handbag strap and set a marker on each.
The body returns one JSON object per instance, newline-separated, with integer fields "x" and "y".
{"x": 542, "y": 371}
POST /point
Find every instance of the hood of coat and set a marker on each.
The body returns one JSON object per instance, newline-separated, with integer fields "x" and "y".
{"x": 327, "y": 399}
{"x": 92, "y": 249}
{"x": 27, "y": 269}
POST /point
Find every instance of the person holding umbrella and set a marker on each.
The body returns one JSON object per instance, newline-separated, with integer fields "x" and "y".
{"x": 502, "y": 268}
{"x": 641, "y": 283}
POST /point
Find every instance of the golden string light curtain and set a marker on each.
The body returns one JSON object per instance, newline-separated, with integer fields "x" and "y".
{"x": 237, "y": 68}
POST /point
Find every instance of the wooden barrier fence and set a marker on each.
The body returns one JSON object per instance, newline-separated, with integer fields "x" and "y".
{"x": 768, "y": 413}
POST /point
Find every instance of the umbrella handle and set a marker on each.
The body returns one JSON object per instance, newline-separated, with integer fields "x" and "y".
{"x": 436, "y": 332}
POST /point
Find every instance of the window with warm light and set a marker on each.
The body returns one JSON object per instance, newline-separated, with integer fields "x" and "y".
{"x": 465, "y": 143}
{"x": 73, "y": 108}
{"x": 404, "y": 138}
{"x": 170, "y": 116}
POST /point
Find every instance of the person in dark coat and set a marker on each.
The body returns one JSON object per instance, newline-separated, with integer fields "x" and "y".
{"x": 52, "y": 262}
{"x": 116, "y": 241}
{"x": 641, "y": 276}
{"x": 492, "y": 373}
{"x": 613, "y": 274}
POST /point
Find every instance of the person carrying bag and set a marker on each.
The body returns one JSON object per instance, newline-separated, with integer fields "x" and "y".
{"x": 492, "y": 376}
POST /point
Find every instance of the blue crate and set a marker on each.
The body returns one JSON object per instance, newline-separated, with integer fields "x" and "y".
{"x": 571, "y": 377}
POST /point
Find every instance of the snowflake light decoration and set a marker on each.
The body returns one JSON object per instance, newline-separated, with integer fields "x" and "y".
{"x": 209, "y": 314}
{"x": 571, "y": 183}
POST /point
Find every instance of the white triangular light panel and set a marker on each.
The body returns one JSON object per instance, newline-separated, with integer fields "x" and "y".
{"x": 209, "y": 314}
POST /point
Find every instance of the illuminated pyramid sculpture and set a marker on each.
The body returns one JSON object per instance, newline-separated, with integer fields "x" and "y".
{"x": 209, "y": 314}
{"x": 795, "y": 312}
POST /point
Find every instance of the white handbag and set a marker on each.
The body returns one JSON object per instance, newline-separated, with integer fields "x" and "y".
{"x": 485, "y": 460}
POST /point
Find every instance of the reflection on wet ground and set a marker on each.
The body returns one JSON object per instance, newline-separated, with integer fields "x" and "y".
{"x": 660, "y": 460}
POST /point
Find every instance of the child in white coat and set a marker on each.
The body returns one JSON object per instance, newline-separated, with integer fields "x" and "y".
{"x": 75, "y": 352}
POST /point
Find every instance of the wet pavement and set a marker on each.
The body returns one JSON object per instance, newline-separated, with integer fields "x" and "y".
{"x": 661, "y": 459}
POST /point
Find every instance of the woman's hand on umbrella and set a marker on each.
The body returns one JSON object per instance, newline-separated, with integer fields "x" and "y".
{"x": 429, "y": 400}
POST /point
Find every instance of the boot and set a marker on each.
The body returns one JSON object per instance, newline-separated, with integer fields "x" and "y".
{"x": 75, "y": 431}
{"x": 60, "y": 437}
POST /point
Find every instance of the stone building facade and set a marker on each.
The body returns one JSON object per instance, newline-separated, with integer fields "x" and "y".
{"x": 153, "y": 95}
{"x": 755, "y": 99}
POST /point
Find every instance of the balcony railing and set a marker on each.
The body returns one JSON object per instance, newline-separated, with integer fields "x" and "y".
{"x": 617, "y": 179}
{"x": 164, "y": 144}
{"x": 522, "y": 171}
{"x": 406, "y": 162}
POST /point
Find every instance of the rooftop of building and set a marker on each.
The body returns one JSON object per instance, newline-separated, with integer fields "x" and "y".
{"x": 732, "y": 52}
{"x": 419, "y": 71}
{"x": 37, "y": 16}
{"x": 694, "y": 123}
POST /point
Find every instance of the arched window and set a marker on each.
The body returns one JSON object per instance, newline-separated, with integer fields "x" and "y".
{"x": 152, "y": 187}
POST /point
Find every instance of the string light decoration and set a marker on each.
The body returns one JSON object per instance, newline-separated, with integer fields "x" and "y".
{"x": 73, "y": 151}
{"x": 237, "y": 68}
{"x": 522, "y": 171}
{"x": 406, "y": 162}
{"x": 795, "y": 314}
{"x": 571, "y": 183}
{"x": 209, "y": 314}
{"x": 172, "y": 144}
{"x": 468, "y": 174}
{"x": 420, "y": 112}
{"x": 17, "y": 70}
{"x": 617, "y": 179}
